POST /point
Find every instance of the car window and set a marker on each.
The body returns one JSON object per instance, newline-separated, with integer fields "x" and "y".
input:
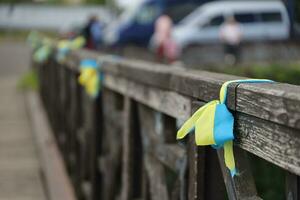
{"x": 147, "y": 14}
{"x": 245, "y": 17}
{"x": 271, "y": 17}
{"x": 215, "y": 21}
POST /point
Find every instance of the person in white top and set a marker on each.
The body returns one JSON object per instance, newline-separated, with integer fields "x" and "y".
{"x": 231, "y": 36}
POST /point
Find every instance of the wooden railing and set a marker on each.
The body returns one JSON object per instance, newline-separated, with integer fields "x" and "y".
{"x": 122, "y": 145}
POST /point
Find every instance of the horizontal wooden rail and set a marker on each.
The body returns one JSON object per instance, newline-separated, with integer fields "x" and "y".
{"x": 146, "y": 102}
{"x": 268, "y": 114}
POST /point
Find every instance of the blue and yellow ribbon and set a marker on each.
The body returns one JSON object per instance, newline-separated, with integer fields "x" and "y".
{"x": 34, "y": 39}
{"x": 65, "y": 46}
{"x": 42, "y": 53}
{"x": 90, "y": 77}
{"x": 213, "y": 124}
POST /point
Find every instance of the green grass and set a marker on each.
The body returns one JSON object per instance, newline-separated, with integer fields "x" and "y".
{"x": 29, "y": 81}
{"x": 13, "y": 35}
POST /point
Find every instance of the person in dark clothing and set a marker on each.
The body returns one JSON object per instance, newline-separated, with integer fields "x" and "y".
{"x": 93, "y": 32}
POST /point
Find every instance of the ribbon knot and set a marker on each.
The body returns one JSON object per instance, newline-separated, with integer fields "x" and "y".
{"x": 213, "y": 124}
{"x": 43, "y": 52}
{"x": 90, "y": 77}
{"x": 65, "y": 46}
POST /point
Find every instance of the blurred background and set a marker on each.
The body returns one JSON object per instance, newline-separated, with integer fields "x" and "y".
{"x": 170, "y": 31}
{"x": 257, "y": 39}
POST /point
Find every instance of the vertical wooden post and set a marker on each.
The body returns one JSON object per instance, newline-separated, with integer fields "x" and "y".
{"x": 154, "y": 169}
{"x": 242, "y": 186}
{"x": 292, "y": 186}
{"x": 131, "y": 158}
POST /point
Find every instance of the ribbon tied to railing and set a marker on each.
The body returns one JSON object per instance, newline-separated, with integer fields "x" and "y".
{"x": 65, "y": 46}
{"x": 43, "y": 52}
{"x": 213, "y": 124}
{"x": 90, "y": 76}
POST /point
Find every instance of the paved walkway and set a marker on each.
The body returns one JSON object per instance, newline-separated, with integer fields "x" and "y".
{"x": 20, "y": 177}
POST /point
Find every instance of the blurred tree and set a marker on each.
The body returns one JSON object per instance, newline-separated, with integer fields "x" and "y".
{"x": 95, "y": 1}
{"x": 14, "y": 1}
{"x": 297, "y": 10}
{"x": 55, "y": 1}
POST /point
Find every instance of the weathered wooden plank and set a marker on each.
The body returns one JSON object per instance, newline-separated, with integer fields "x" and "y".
{"x": 274, "y": 102}
{"x": 154, "y": 169}
{"x": 111, "y": 146}
{"x": 147, "y": 73}
{"x": 292, "y": 190}
{"x": 272, "y": 142}
{"x": 252, "y": 98}
{"x": 171, "y": 155}
{"x": 272, "y": 131}
{"x": 242, "y": 186}
{"x": 151, "y": 135}
{"x": 196, "y": 163}
{"x": 169, "y": 128}
{"x": 157, "y": 180}
{"x": 131, "y": 156}
{"x": 267, "y": 119}
{"x": 170, "y": 103}
{"x": 56, "y": 179}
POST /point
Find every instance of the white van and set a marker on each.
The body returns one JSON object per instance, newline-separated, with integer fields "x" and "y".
{"x": 259, "y": 20}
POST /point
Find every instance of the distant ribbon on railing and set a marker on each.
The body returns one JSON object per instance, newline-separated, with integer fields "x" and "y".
{"x": 214, "y": 124}
{"x": 90, "y": 77}
{"x": 34, "y": 39}
{"x": 65, "y": 46}
{"x": 44, "y": 50}
{"x": 43, "y": 46}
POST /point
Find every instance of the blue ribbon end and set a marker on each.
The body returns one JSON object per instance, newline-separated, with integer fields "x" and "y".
{"x": 233, "y": 172}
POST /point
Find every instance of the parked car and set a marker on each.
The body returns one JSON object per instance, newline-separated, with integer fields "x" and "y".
{"x": 259, "y": 20}
{"x": 136, "y": 25}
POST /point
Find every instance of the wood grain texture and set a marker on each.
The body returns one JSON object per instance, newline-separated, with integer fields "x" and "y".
{"x": 292, "y": 183}
{"x": 272, "y": 142}
{"x": 154, "y": 169}
{"x": 242, "y": 186}
{"x": 273, "y": 102}
{"x": 132, "y": 156}
{"x": 170, "y": 103}
{"x": 58, "y": 183}
{"x": 196, "y": 163}
{"x": 110, "y": 160}
{"x": 157, "y": 180}
{"x": 267, "y": 124}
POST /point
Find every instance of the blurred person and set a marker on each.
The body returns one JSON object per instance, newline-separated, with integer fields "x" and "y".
{"x": 93, "y": 32}
{"x": 165, "y": 46}
{"x": 231, "y": 36}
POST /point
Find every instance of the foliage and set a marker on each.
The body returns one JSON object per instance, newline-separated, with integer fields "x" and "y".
{"x": 52, "y": 1}
{"x": 95, "y": 1}
{"x": 269, "y": 179}
{"x": 287, "y": 73}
